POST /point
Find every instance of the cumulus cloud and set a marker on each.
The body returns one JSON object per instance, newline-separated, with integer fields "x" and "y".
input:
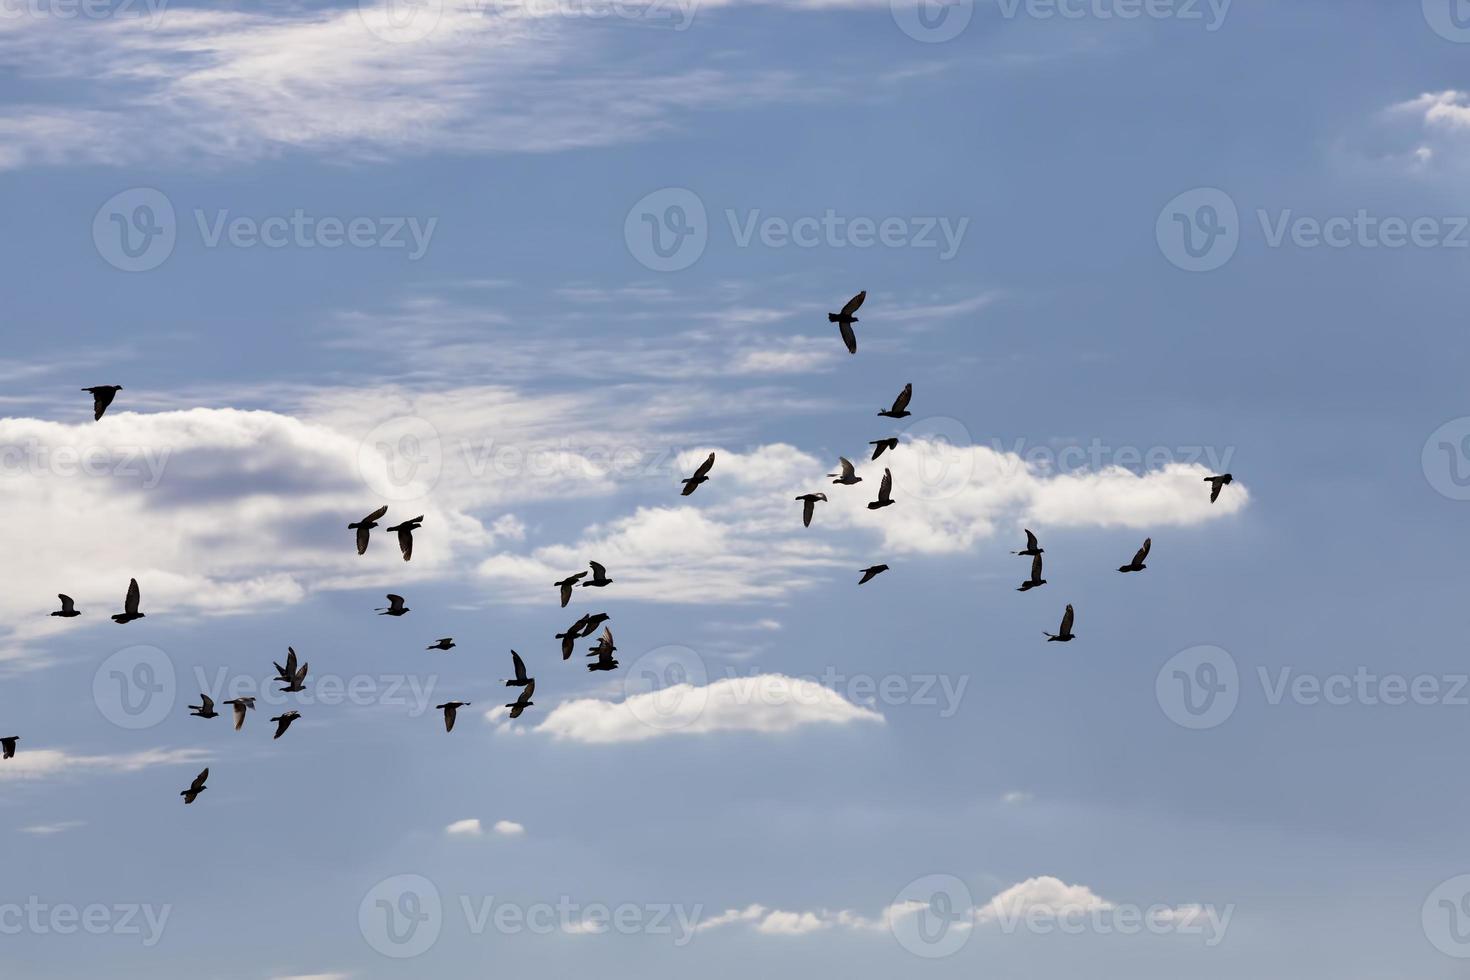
{"x": 1042, "y": 895}
{"x": 464, "y": 828}
{"x": 509, "y": 828}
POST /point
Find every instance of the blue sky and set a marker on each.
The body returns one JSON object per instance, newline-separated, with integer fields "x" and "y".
{"x": 342, "y": 256}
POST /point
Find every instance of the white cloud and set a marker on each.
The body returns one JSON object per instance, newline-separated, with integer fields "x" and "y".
{"x": 767, "y": 703}
{"x": 37, "y": 764}
{"x": 1016, "y": 798}
{"x": 509, "y": 828}
{"x": 47, "y": 829}
{"x": 1042, "y": 895}
{"x": 464, "y": 828}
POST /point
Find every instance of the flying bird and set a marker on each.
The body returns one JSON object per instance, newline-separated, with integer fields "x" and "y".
{"x": 130, "y": 605}
{"x": 845, "y": 320}
{"x": 701, "y": 475}
{"x": 204, "y": 709}
{"x": 443, "y": 643}
{"x": 879, "y": 445}
{"x": 848, "y": 477}
{"x": 1216, "y": 482}
{"x": 592, "y": 622}
{"x": 885, "y": 492}
{"x": 7, "y": 746}
{"x": 1137, "y": 565}
{"x": 871, "y": 571}
{"x": 365, "y": 525}
{"x": 292, "y": 677}
{"x": 809, "y": 506}
{"x": 405, "y": 535}
{"x": 195, "y": 788}
{"x": 68, "y": 607}
{"x": 287, "y": 672}
{"x": 1065, "y": 634}
{"x": 241, "y": 705}
{"x": 395, "y": 606}
{"x": 1035, "y": 580}
{"x": 524, "y": 701}
{"x": 1032, "y": 547}
{"x": 283, "y": 722}
{"x": 102, "y": 396}
{"x": 449, "y": 708}
{"x": 520, "y": 679}
{"x": 569, "y": 638}
{"x": 599, "y": 577}
{"x": 900, "y": 409}
{"x": 566, "y": 585}
{"x": 603, "y": 651}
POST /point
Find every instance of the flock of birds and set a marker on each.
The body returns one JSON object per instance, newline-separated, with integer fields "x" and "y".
{"x": 292, "y": 674}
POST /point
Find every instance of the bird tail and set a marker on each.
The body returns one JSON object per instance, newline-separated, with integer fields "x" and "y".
{"x": 833, "y": 318}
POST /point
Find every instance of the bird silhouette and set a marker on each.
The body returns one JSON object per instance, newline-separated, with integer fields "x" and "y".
{"x": 1035, "y": 580}
{"x": 900, "y": 409}
{"x": 885, "y": 492}
{"x": 102, "y": 396}
{"x": 879, "y": 445}
{"x": 292, "y": 677}
{"x": 195, "y": 788}
{"x": 871, "y": 571}
{"x": 1137, "y": 565}
{"x": 449, "y": 708}
{"x": 809, "y": 506}
{"x": 287, "y": 672}
{"x": 395, "y": 606}
{"x": 283, "y": 722}
{"x": 591, "y": 622}
{"x": 7, "y": 746}
{"x": 599, "y": 577}
{"x": 701, "y": 475}
{"x": 1032, "y": 547}
{"x": 603, "y": 651}
{"x": 566, "y": 585}
{"x": 845, "y": 320}
{"x": 520, "y": 679}
{"x": 1064, "y": 634}
{"x": 205, "y": 709}
{"x": 847, "y": 477}
{"x": 241, "y": 705}
{"x": 68, "y": 607}
{"x": 130, "y": 605}
{"x": 365, "y": 525}
{"x": 1216, "y": 482}
{"x": 443, "y": 643}
{"x": 524, "y": 700}
{"x": 405, "y": 535}
{"x": 569, "y": 638}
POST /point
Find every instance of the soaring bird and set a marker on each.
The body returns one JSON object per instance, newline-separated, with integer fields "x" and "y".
{"x": 1035, "y": 580}
{"x": 845, "y": 320}
{"x": 520, "y": 679}
{"x": 7, "y": 746}
{"x": 566, "y": 585}
{"x": 1216, "y": 482}
{"x": 879, "y": 445}
{"x": 1137, "y": 565}
{"x": 809, "y": 506}
{"x": 847, "y": 477}
{"x": 569, "y": 638}
{"x": 365, "y": 525}
{"x": 205, "y": 709}
{"x": 885, "y": 492}
{"x": 604, "y": 653}
{"x": 395, "y": 606}
{"x": 283, "y": 722}
{"x": 241, "y": 705}
{"x": 701, "y": 475}
{"x": 443, "y": 643}
{"x": 68, "y": 607}
{"x": 599, "y": 577}
{"x": 195, "y": 788}
{"x": 130, "y": 605}
{"x": 1032, "y": 547}
{"x": 449, "y": 708}
{"x": 900, "y": 409}
{"x": 293, "y": 678}
{"x": 405, "y": 535}
{"x": 1065, "y": 634}
{"x": 524, "y": 701}
{"x": 871, "y": 571}
{"x": 102, "y": 396}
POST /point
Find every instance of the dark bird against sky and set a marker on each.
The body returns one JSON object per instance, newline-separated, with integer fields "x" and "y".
{"x": 845, "y": 319}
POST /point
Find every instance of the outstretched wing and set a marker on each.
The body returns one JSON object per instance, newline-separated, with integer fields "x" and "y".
{"x": 1030, "y": 541}
{"x": 846, "y": 464}
{"x": 67, "y": 603}
{"x": 885, "y": 489}
{"x": 599, "y": 571}
{"x": 449, "y": 713}
{"x": 1036, "y": 568}
{"x": 130, "y": 605}
{"x": 705, "y": 467}
{"x": 848, "y": 337}
{"x": 395, "y": 602}
{"x": 198, "y": 782}
{"x": 902, "y": 401}
{"x": 239, "y": 714}
{"x": 1215, "y": 486}
{"x": 1067, "y": 621}
{"x": 1143, "y": 552}
{"x": 854, "y": 303}
{"x": 375, "y": 514}
{"x": 405, "y": 543}
{"x": 520, "y": 665}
